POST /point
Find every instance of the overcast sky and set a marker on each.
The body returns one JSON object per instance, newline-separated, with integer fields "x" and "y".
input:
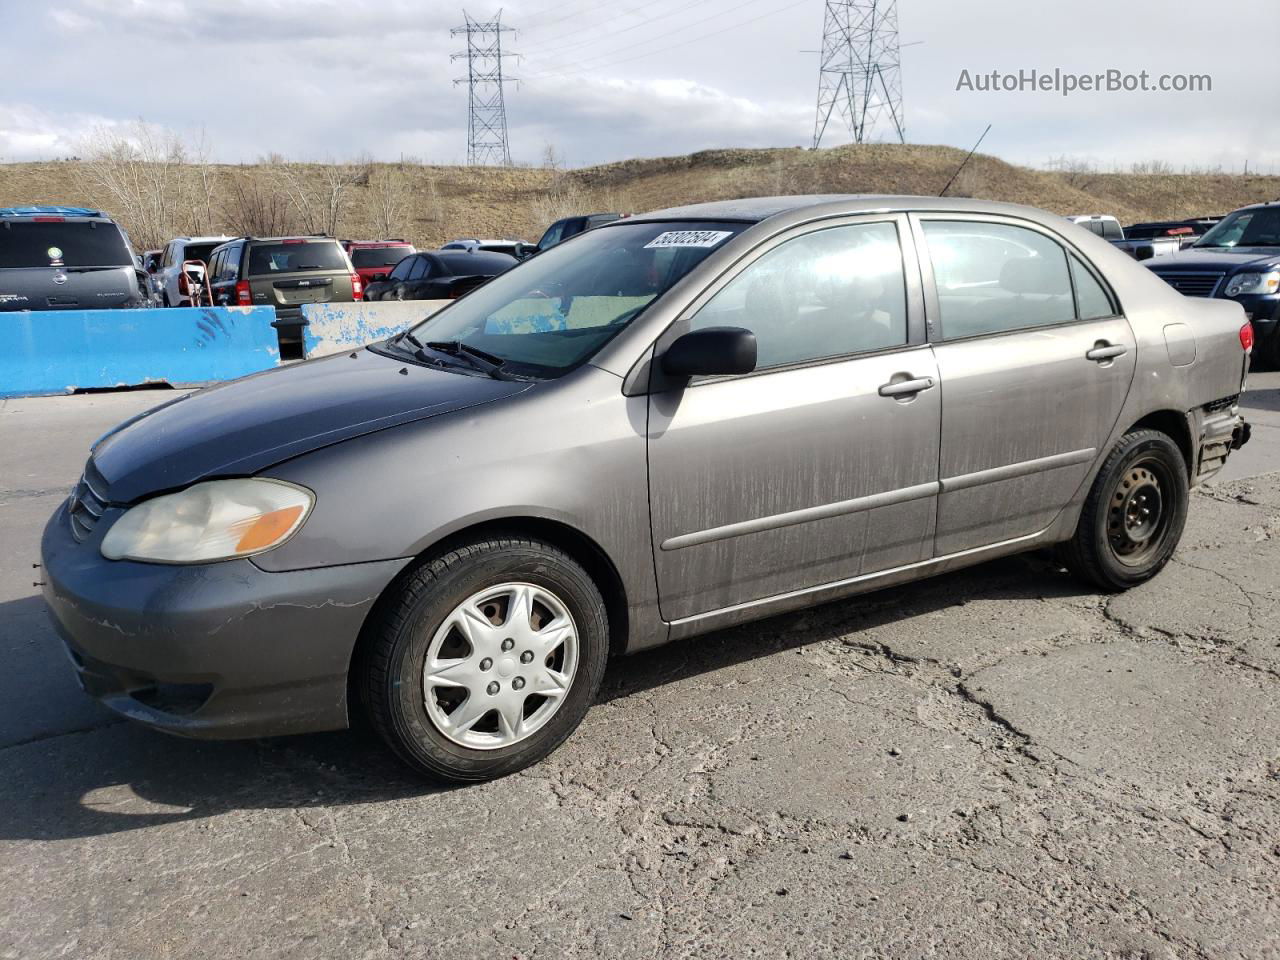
{"x": 319, "y": 79}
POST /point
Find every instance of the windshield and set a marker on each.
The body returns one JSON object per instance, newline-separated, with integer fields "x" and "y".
{"x": 1245, "y": 228}
{"x": 553, "y": 312}
{"x": 291, "y": 256}
{"x": 379, "y": 256}
{"x": 67, "y": 243}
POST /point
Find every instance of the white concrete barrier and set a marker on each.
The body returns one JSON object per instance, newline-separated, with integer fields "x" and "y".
{"x": 334, "y": 327}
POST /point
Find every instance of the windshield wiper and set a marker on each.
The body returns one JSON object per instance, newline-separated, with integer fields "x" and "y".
{"x": 405, "y": 335}
{"x": 479, "y": 359}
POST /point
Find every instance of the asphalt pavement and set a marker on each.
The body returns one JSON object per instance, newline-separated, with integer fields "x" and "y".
{"x": 995, "y": 763}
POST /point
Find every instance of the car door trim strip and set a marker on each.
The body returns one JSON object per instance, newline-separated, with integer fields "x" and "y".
{"x": 805, "y": 515}
{"x": 889, "y": 498}
{"x": 1022, "y": 468}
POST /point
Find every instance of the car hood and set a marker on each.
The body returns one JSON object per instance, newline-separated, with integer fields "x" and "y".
{"x": 244, "y": 426}
{"x": 1225, "y": 259}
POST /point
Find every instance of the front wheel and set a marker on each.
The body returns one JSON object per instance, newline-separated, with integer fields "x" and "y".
{"x": 1134, "y": 515}
{"x": 485, "y": 659}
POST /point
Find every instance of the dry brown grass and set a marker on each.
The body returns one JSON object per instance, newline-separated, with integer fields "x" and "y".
{"x": 444, "y": 202}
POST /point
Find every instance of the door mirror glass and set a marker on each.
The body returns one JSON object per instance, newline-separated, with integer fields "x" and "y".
{"x": 711, "y": 352}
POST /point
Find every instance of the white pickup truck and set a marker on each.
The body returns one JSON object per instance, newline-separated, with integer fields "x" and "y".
{"x": 1108, "y": 228}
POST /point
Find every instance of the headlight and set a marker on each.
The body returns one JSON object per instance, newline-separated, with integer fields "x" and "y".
{"x": 215, "y": 520}
{"x": 1253, "y": 283}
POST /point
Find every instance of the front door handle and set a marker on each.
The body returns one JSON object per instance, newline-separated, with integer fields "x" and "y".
{"x": 903, "y": 388}
{"x": 1103, "y": 351}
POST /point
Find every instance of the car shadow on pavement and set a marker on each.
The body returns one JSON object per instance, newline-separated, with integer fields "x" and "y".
{"x": 116, "y": 776}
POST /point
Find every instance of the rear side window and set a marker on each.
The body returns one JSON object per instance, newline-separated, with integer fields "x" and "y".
{"x": 552, "y": 236}
{"x": 272, "y": 258}
{"x": 826, "y": 294}
{"x": 993, "y": 277}
{"x": 1091, "y": 299}
{"x": 58, "y": 244}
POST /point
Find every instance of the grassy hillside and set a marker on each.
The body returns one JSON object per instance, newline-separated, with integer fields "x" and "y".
{"x": 437, "y": 203}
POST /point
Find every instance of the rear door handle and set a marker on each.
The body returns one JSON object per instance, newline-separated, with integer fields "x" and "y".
{"x": 1106, "y": 351}
{"x": 902, "y": 388}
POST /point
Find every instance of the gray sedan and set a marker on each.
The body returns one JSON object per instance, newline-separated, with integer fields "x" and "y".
{"x": 665, "y": 426}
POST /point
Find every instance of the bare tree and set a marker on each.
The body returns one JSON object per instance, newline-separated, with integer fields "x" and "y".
{"x": 319, "y": 193}
{"x": 141, "y": 174}
{"x": 254, "y": 207}
{"x": 389, "y": 193}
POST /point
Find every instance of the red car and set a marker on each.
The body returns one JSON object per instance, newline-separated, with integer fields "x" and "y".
{"x": 373, "y": 259}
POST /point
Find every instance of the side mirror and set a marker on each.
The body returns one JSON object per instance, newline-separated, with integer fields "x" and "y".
{"x": 713, "y": 351}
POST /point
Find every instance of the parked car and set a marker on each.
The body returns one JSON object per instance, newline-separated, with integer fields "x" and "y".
{"x": 1186, "y": 231}
{"x": 285, "y": 273}
{"x": 373, "y": 259}
{"x": 1109, "y": 229}
{"x": 512, "y": 248}
{"x": 439, "y": 275}
{"x": 66, "y": 258}
{"x": 182, "y": 269}
{"x": 567, "y": 227}
{"x": 667, "y": 425}
{"x": 1239, "y": 259}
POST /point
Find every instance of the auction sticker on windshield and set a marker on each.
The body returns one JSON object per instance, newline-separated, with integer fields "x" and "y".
{"x": 688, "y": 238}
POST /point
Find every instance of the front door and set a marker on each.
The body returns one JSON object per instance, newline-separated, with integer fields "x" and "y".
{"x": 1035, "y": 364}
{"x": 822, "y": 464}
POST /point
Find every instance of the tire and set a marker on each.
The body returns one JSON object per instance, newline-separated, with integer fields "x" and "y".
{"x": 418, "y": 627}
{"x": 1117, "y": 543}
{"x": 165, "y": 298}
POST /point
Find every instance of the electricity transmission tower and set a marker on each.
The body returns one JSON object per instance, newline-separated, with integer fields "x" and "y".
{"x": 860, "y": 78}
{"x": 487, "y": 109}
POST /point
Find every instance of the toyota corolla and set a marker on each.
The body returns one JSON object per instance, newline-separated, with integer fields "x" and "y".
{"x": 665, "y": 426}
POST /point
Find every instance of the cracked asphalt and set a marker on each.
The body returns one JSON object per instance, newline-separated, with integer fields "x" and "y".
{"x": 995, "y": 763}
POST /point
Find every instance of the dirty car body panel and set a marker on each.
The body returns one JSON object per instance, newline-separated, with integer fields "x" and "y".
{"x": 694, "y": 504}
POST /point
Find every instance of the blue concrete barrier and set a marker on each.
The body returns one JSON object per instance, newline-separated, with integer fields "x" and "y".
{"x": 334, "y": 327}
{"x": 60, "y": 351}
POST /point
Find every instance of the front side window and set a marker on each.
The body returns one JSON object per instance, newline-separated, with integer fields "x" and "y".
{"x": 419, "y": 269}
{"x": 993, "y": 277}
{"x": 402, "y": 268}
{"x": 833, "y": 292}
{"x": 554, "y": 311}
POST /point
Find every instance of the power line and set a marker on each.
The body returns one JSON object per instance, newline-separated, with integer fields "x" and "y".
{"x": 558, "y": 44}
{"x": 590, "y": 65}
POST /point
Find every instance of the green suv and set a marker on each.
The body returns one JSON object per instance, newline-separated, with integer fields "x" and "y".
{"x": 285, "y": 273}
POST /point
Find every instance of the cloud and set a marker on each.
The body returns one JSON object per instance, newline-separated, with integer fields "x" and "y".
{"x": 606, "y": 81}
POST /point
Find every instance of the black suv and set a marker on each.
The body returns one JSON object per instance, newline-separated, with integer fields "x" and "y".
{"x": 563, "y": 229}
{"x": 285, "y": 273}
{"x": 66, "y": 258}
{"x": 1239, "y": 259}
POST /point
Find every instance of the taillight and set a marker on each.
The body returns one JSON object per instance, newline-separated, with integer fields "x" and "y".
{"x": 357, "y": 287}
{"x": 243, "y": 294}
{"x": 1246, "y": 336}
{"x": 184, "y": 283}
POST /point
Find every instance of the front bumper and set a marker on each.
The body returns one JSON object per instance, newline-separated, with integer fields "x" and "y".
{"x": 217, "y": 650}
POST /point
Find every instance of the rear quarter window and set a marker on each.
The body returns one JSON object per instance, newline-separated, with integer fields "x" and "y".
{"x": 278, "y": 258}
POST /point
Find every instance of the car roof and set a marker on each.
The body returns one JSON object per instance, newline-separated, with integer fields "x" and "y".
{"x": 52, "y": 210}
{"x": 812, "y": 206}
{"x": 378, "y": 243}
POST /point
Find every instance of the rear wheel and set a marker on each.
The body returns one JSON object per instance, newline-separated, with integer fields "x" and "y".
{"x": 486, "y": 659}
{"x": 1134, "y": 515}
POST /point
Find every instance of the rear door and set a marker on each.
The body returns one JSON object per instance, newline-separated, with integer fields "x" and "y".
{"x": 288, "y": 273}
{"x": 1035, "y": 361}
{"x": 56, "y": 263}
{"x": 820, "y": 466}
